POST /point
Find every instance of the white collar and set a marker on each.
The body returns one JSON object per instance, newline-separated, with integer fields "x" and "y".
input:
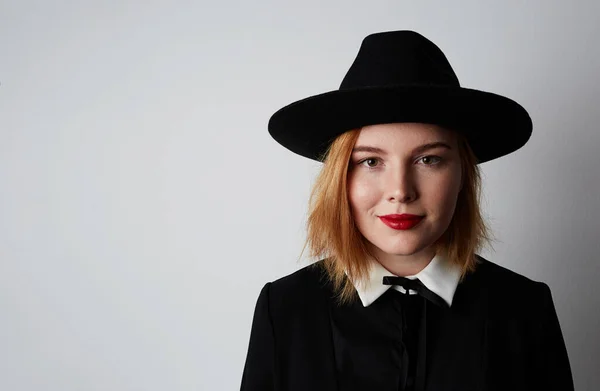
{"x": 440, "y": 276}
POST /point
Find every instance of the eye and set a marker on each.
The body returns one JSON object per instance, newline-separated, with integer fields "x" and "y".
{"x": 427, "y": 160}
{"x": 367, "y": 160}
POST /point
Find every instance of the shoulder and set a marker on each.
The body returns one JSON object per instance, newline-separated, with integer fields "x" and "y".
{"x": 303, "y": 290}
{"x": 507, "y": 285}
{"x": 495, "y": 273}
{"x": 309, "y": 281}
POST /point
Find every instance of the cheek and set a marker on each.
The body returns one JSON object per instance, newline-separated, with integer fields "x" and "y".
{"x": 361, "y": 194}
{"x": 446, "y": 194}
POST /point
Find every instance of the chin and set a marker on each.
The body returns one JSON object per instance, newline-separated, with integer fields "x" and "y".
{"x": 404, "y": 249}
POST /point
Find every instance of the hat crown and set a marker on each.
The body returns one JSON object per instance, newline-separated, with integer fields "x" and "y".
{"x": 399, "y": 58}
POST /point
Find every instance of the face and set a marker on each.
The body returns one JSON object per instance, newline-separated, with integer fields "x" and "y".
{"x": 393, "y": 171}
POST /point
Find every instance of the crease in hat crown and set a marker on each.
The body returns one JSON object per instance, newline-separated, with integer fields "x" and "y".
{"x": 401, "y": 76}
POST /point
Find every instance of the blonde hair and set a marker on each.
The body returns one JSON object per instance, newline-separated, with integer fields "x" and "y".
{"x": 333, "y": 235}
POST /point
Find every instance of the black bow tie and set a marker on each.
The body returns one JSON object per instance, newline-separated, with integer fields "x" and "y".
{"x": 416, "y": 285}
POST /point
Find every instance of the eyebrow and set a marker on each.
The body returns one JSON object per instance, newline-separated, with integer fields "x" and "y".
{"x": 422, "y": 148}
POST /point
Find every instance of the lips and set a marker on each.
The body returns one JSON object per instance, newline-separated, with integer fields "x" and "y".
{"x": 404, "y": 216}
{"x": 402, "y": 221}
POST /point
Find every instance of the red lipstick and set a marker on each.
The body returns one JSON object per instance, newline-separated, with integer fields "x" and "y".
{"x": 401, "y": 222}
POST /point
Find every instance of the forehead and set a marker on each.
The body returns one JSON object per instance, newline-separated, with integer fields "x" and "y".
{"x": 403, "y": 135}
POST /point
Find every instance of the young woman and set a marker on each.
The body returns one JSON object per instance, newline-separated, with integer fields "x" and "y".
{"x": 398, "y": 299}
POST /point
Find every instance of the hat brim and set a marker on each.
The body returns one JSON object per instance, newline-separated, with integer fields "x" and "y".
{"x": 494, "y": 125}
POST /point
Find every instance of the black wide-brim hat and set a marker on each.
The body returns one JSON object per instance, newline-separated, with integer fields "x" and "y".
{"x": 401, "y": 76}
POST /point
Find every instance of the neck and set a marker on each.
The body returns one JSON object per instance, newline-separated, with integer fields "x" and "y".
{"x": 405, "y": 265}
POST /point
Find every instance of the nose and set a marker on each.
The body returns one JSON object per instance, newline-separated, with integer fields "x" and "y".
{"x": 401, "y": 186}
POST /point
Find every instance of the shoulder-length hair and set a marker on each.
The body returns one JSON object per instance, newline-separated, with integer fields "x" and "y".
{"x": 333, "y": 235}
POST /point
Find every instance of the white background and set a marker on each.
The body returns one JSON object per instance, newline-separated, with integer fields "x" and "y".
{"x": 143, "y": 204}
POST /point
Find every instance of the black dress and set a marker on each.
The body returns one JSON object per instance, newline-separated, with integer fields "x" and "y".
{"x": 501, "y": 333}
{"x": 393, "y": 320}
